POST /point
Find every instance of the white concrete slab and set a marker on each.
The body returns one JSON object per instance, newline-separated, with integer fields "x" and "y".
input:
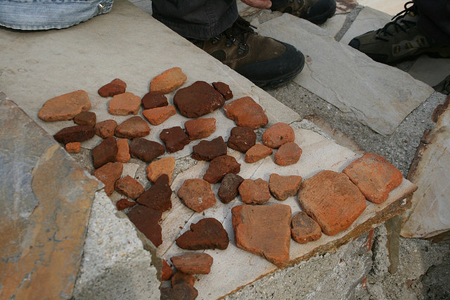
{"x": 377, "y": 95}
{"x": 391, "y": 7}
{"x": 430, "y": 70}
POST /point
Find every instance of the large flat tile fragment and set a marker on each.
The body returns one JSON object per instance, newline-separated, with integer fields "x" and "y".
{"x": 377, "y": 95}
{"x": 430, "y": 211}
{"x": 45, "y": 203}
{"x": 332, "y": 200}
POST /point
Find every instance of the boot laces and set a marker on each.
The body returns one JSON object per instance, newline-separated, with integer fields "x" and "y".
{"x": 239, "y": 31}
{"x": 398, "y": 23}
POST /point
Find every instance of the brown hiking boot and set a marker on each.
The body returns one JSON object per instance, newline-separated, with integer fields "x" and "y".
{"x": 315, "y": 11}
{"x": 266, "y": 62}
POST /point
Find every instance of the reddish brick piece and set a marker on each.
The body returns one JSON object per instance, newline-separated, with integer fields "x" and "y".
{"x": 168, "y": 81}
{"x": 146, "y": 221}
{"x": 109, "y": 174}
{"x": 208, "y": 150}
{"x": 221, "y": 166}
{"x": 304, "y": 229}
{"x": 241, "y": 139}
{"x": 158, "y": 195}
{"x": 158, "y": 115}
{"x": 159, "y": 167}
{"x": 115, "y": 87}
{"x": 283, "y": 187}
{"x": 375, "y": 176}
{"x": 197, "y": 100}
{"x": 124, "y": 203}
{"x": 179, "y": 277}
{"x": 85, "y": 118}
{"x": 153, "y": 100}
{"x": 277, "y": 135}
{"x": 257, "y": 152}
{"x": 197, "y": 194}
{"x": 193, "y": 263}
{"x": 332, "y": 200}
{"x": 183, "y": 290}
{"x": 166, "y": 271}
{"x": 123, "y": 151}
{"x": 228, "y": 189}
{"x": 223, "y": 89}
{"x": 146, "y": 150}
{"x": 74, "y": 147}
{"x": 105, "y": 128}
{"x": 254, "y": 191}
{"x": 246, "y": 112}
{"x": 134, "y": 127}
{"x": 208, "y": 233}
{"x": 124, "y": 104}
{"x": 64, "y": 107}
{"x": 74, "y": 134}
{"x": 288, "y": 154}
{"x": 174, "y": 138}
{"x": 104, "y": 152}
{"x": 129, "y": 187}
{"x": 263, "y": 230}
{"x": 200, "y": 128}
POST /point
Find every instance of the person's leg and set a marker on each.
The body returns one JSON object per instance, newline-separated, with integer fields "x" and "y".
{"x": 265, "y": 61}
{"x": 316, "y": 11}
{"x": 407, "y": 35}
{"x": 434, "y": 19}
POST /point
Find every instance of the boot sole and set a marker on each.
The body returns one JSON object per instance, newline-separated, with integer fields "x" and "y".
{"x": 280, "y": 80}
{"x": 437, "y": 53}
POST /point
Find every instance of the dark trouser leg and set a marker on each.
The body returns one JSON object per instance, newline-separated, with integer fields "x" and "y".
{"x": 196, "y": 19}
{"x": 434, "y": 19}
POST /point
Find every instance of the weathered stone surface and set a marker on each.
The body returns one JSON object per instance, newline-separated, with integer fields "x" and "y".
{"x": 74, "y": 134}
{"x": 254, "y": 191}
{"x": 304, "y": 229}
{"x": 157, "y": 197}
{"x": 198, "y": 99}
{"x": 246, "y": 112}
{"x": 257, "y": 152}
{"x": 129, "y": 187}
{"x": 168, "y": 81}
{"x": 228, "y": 189}
{"x": 115, "y": 87}
{"x": 65, "y": 107}
{"x": 124, "y": 203}
{"x": 208, "y": 150}
{"x": 183, "y": 290}
{"x": 165, "y": 165}
{"x": 85, "y": 118}
{"x": 44, "y": 227}
{"x": 124, "y": 104}
{"x": 277, "y": 135}
{"x": 221, "y": 166}
{"x": 197, "y": 194}
{"x": 109, "y": 174}
{"x": 146, "y": 221}
{"x": 193, "y": 263}
{"x": 263, "y": 230}
{"x": 123, "y": 151}
{"x": 180, "y": 276}
{"x": 104, "y": 152}
{"x": 375, "y": 176}
{"x": 74, "y": 147}
{"x": 241, "y": 138}
{"x": 288, "y": 154}
{"x": 105, "y": 129}
{"x": 223, "y": 89}
{"x": 158, "y": 115}
{"x": 283, "y": 187}
{"x": 166, "y": 271}
{"x": 332, "y": 200}
{"x": 134, "y": 127}
{"x": 174, "y": 138}
{"x": 200, "y": 128}
{"x": 208, "y": 233}
{"x": 153, "y": 100}
{"x": 146, "y": 150}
